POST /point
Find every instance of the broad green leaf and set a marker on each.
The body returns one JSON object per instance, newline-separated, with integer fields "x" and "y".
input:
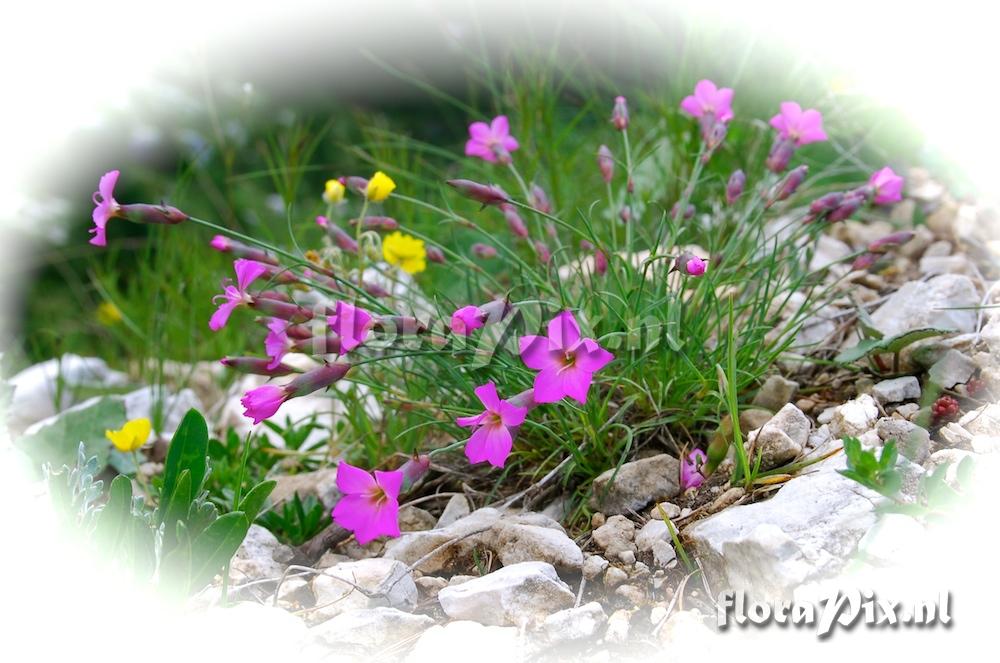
{"x": 254, "y": 500}
{"x": 188, "y": 451}
{"x": 177, "y": 506}
{"x": 113, "y": 520}
{"x": 175, "y": 571}
{"x": 859, "y": 351}
{"x": 216, "y": 546}
{"x": 892, "y": 345}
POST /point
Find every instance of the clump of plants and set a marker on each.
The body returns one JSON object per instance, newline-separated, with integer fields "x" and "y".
{"x": 643, "y": 311}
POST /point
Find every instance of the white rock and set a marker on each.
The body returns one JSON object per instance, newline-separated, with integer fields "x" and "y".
{"x": 371, "y": 629}
{"x": 663, "y": 554}
{"x": 945, "y": 265}
{"x": 775, "y": 392}
{"x": 782, "y": 438}
{"x": 467, "y": 641}
{"x": 952, "y": 368}
{"x": 931, "y": 303}
{"x": 912, "y": 441}
{"x": 627, "y": 557}
{"x": 897, "y": 389}
{"x": 855, "y": 417}
{"x": 807, "y": 530}
{"x": 260, "y": 556}
{"x": 519, "y": 594}
{"x": 984, "y": 420}
{"x": 991, "y": 333}
{"x": 892, "y": 536}
{"x": 636, "y": 484}
{"x": 573, "y": 624}
{"x": 457, "y": 507}
{"x": 47, "y": 388}
{"x": 148, "y": 400}
{"x": 369, "y": 583}
{"x": 513, "y": 537}
{"x": 619, "y": 625}
{"x": 651, "y": 532}
{"x": 615, "y": 536}
{"x": 614, "y": 577}
{"x": 321, "y": 484}
{"x": 594, "y": 566}
{"x": 671, "y": 509}
{"x": 829, "y": 250}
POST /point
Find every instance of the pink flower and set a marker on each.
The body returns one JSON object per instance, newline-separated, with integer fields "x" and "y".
{"x": 263, "y": 402}
{"x": 492, "y": 440}
{"x": 487, "y": 194}
{"x": 484, "y": 251}
{"x": 803, "y": 127}
{"x": 691, "y": 476}
{"x": 370, "y": 505}
{"x": 709, "y": 101}
{"x": 247, "y": 271}
{"x": 619, "y": 114}
{"x": 691, "y": 265}
{"x": 606, "y": 163}
{"x": 491, "y": 142}
{"x": 466, "y": 320}
{"x": 566, "y": 362}
{"x": 277, "y": 342}
{"x": 888, "y": 186}
{"x": 351, "y": 324}
{"x": 105, "y": 207}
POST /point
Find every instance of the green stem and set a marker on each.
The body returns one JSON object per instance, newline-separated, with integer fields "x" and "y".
{"x": 357, "y": 239}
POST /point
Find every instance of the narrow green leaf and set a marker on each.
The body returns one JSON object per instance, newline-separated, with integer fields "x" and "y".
{"x": 254, "y": 500}
{"x": 216, "y": 546}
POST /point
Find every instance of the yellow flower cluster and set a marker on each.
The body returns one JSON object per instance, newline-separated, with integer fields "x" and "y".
{"x": 131, "y": 436}
{"x": 379, "y": 187}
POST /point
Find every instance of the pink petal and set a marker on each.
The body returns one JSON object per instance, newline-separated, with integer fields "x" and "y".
{"x": 487, "y": 395}
{"x": 489, "y": 443}
{"x": 724, "y": 104}
{"x": 705, "y": 91}
{"x": 512, "y": 415}
{"x": 353, "y": 480}
{"x": 509, "y": 143}
{"x": 471, "y": 421}
{"x": 563, "y": 330}
{"x": 474, "y": 148}
{"x": 383, "y": 521}
{"x": 500, "y": 127}
{"x": 553, "y": 384}
{"x": 352, "y": 512}
{"x": 263, "y": 402}
{"x": 480, "y": 132}
{"x": 791, "y": 110}
{"x": 276, "y": 343}
{"x": 247, "y": 271}
{"x": 548, "y": 385}
{"x": 691, "y": 106}
{"x": 106, "y": 187}
{"x": 535, "y": 352}
{"x": 590, "y": 356}
{"x": 576, "y": 383}
{"x": 221, "y": 315}
{"x": 390, "y": 482}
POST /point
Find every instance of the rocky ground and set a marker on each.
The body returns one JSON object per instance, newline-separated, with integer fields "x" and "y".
{"x": 498, "y": 578}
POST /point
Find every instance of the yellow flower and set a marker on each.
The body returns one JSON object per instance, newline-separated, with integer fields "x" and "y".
{"x": 379, "y": 187}
{"x": 334, "y": 192}
{"x": 407, "y": 252}
{"x": 108, "y": 314}
{"x": 131, "y": 436}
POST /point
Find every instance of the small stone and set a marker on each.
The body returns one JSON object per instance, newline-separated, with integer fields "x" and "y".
{"x": 260, "y": 556}
{"x": 614, "y": 577}
{"x": 295, "y": 594}
{"x": 633, "y": 595}
{"x": 616, "y": 535}
{"x": 366, "y": 583}
{"x": 430, "y": 585}
{"x": 634, "y": 485}
{"x": 908, "y": 411}
{"x": 826, "y": 416}
{"x": 371, "y": 629}
{"x": 938, "y": 249}
{"x": 897, "y": 389}
{"x": 671, "y": 509}
{"x": 457, "y": 507}
{"x": 597, "y": 520}
{"x": 807, "y": 405}
{"x": 912, "y": 441}
{"x": 651, "y": 532}
{"x": 520, "y": 594}
{"x": 415, "y": 519}
{"x": 663, "y": 554}
{"x": 854, "y": 417}
{"x": 619, "y": 624}
{"x": 594, "y": 566}
{"x": 930, "y": 265}
{"x": 574, "y": 624}
{"x": 943, "y": 302}
{"x": 984, "y": 420}
{"x": 320, "y": 484}
{"x": 627, "y": 557}
{"x": 952, "y": 368}
{"x": 775, "y": 393}
{"x": 460, "y": 578}
{"x": 781, "y": 439}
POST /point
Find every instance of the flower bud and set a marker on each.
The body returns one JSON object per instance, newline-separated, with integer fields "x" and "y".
{"x": 279, "y": 309}
{"x": 414, "y": 469}
{"x": 223, "y": 244}
{"x": 688, "y": 211}
{"x": 514, "y": 221}
{"x": 540, "y": 200}
{"x": 895, "y": 239}
{"x": 356, "y": 184}
{"x": 824, "y": 204}
{"x": 851, "y": 203}
{"x": 600, "y": 263}
{"x": 606, "y": 163}
{"x": 255, "y": 366}
{"x": 318, "y": 345}
{"x": 734, "y": 188}
{"x": 689, "y": 264}
{"x": 619, "y": 114}
{"x": 377, "y": 223}
{"x": 714, "y": 135}
{"x": 626, "y": 214}
{"x": 543, "y": 252}
{"x": 864, "y": 261}
{"x": 791, "y": 183}
{"x": 153, "y": 214}
{"x": 487, "y": 194}
{"x": 434, "y": 254}
{"x": 496, "y": 310}
{"x": 483, "y": 251}
{"x": 316, "y": 379}
{"x": 781, "y": 153}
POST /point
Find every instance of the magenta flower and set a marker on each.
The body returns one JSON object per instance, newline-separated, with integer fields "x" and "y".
{"x": 484, "y": 251}
{"x": 263, "y": 402}
{"x": 277, "y": 343}
{"x": 709, "y": 101}
{"x": 493, "y": 438}
{"x": 619, "y": 114}
{"x": 247, "y": 271}
{"x": 690, "y": 264}
{"x": 487, "y": 194}
{"x": 888, "y": 186}
{"x": 795, "y": 124}
{"x": 734, "y": 187}
{"x": 606, "y": 163}
{"x": 370, "y": 504}
{"x": 566, "y": 362}
{"x": 466, "y": 320}
{"x": 105, "y": 207}
{"x": 691, "y": 476}
{"x": 351, "y": 324}
{"x": 491, "y": 142}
